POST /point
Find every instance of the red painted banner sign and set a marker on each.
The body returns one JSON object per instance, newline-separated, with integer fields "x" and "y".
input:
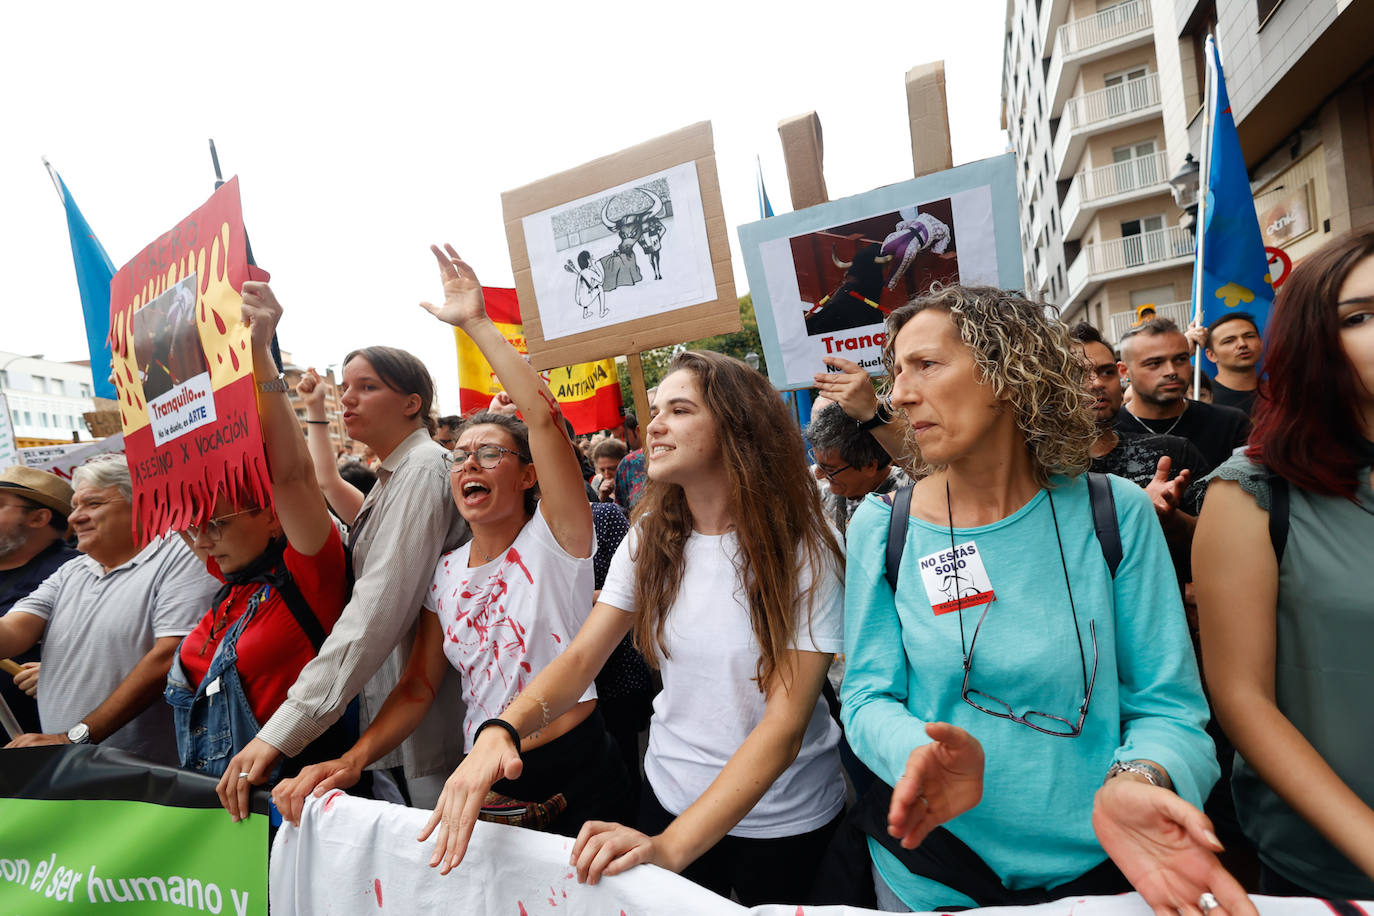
{"x": 183, "y": 371}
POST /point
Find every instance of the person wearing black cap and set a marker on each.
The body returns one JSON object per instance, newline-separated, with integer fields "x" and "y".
{"x": 34, "y": 506}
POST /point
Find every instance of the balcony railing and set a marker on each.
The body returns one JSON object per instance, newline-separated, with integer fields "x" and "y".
{"x": 1110, "y": 24}
{"x": 1180, "y": 312}
{"x": 1128, "y": 252}
{"x": 1120, "y": 177}
{"x": 1104, "y": 104}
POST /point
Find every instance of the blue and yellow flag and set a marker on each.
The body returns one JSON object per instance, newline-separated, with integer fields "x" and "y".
{"x": 93, "y": 274}
{"x": 1231, "y": 259}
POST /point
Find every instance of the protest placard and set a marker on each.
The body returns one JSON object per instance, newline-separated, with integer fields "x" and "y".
{"x": 824, "y": 278}
{"x": 624, "y": 253}
{"x": 184, "y": 371}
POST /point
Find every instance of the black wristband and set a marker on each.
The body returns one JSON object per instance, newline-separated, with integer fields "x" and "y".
{"x": 502, "y": 723}
{"x": 881, "y": 417}
{"x": 318, "y": 422}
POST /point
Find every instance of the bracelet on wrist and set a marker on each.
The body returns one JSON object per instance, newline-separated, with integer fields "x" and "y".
{"x": 502, "y": 724}
{"x": 318, "y": 422}
{"x": 1144, "y": 769}
{"x": 881, "y": 417}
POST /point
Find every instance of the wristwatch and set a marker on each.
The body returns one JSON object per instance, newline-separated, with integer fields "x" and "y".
{"x": 1152, "y": 774}
{"x": 881, "y": 417}
{"x": 80, "y": 733}
{"x": 277, "y": 384}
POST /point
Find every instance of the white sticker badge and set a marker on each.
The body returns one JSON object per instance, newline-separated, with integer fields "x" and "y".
{"x": 955, "y": 579}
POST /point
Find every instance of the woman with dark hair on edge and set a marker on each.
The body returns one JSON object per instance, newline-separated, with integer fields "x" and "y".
{"x": 1011, "y": 623}
{"x": 396, "y": 535}
{"x": 732, "y": 589}
{"x": 503, "y": 606}
{"x": 1281, "y": 561}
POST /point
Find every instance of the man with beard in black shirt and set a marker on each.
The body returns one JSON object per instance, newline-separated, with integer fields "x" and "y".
{"x": 1155, "y": 356}
{"x": 1161, "y": 465}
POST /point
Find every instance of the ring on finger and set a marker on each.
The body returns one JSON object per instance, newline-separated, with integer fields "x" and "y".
{"x": 923, "y": 800}
{"x": 1207, "y": 902}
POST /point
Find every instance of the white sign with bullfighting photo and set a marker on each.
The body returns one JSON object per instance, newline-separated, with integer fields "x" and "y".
{"x": 825, "y": 278}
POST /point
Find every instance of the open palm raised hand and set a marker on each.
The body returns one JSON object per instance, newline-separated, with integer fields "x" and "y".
{"x": 463, "y": 300}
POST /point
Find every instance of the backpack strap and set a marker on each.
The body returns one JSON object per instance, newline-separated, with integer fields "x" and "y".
{"x": 1104, "y": 519}
{"x": 1105, "y": 525}
{"x": 300, "y": 609}
{"x": 896, "y": 532}
{"x": 1278, "y": 515}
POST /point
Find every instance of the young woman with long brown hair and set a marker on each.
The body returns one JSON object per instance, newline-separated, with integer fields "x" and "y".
{"x": 731, "y": 582}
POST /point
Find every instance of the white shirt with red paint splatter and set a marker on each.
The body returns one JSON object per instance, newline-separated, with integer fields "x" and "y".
{"x": 506, "y": 620}
{"x": 710, "y": 700}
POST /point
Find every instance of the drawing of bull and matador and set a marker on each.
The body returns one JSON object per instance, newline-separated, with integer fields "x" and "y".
{"x": 626, "y": 219}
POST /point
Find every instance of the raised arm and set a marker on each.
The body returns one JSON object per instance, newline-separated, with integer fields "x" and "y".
{"x": 1236, "y": 576}
{"x": 563, "y": 499}
{"x": 852, "y": 389}
{"x": 299, "y": 504}
{"x": 343, "y": 497}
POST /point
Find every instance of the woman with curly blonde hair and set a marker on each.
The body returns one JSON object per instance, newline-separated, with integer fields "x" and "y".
{"x": 1009, "y": 623}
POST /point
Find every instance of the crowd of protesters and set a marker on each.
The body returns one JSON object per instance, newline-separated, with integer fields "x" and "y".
{"x": 830, "y": 663}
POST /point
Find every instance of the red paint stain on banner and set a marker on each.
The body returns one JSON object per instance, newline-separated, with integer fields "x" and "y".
{"x": 329, "y": 799}
{"x": 377, "y": 887}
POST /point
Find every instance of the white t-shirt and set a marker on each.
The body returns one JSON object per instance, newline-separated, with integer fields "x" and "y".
{"x": 505, "y": 621}
{"x": 711, "y": 700}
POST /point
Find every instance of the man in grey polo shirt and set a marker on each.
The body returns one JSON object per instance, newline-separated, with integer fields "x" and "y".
{"x": 110, "y": 622}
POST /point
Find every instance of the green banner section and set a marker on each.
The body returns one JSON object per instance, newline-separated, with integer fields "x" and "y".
{"x": 131, "y": 857}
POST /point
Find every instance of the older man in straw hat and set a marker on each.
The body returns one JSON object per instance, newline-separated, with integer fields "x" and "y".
{"x": 110, "y": 621}
{"x": 34, "y": 506}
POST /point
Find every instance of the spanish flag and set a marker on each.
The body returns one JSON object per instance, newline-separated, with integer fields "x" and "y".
{"x": 589, "y": 393}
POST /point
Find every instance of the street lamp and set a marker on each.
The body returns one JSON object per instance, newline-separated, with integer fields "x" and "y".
{"x": 1185, "y": 186}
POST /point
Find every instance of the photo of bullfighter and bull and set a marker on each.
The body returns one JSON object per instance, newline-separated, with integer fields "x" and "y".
{"x": 167, "y": 345}
{"x": 629, "y": 251}
{"x": 853, "y": 275}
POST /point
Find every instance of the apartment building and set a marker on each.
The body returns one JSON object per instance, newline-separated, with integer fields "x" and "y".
{"x": 1300, "y": 75}
{"x": 1103, "y": 104}
{"x": 46, "y": 399}
{"x": 1082, "y": 102}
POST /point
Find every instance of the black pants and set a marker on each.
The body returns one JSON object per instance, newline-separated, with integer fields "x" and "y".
{"x": 759, "y": 871}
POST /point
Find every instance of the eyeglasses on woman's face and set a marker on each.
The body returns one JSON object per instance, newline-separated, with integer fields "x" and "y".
{"x": 488, "y": 456}
{"x": 214, "y": 528}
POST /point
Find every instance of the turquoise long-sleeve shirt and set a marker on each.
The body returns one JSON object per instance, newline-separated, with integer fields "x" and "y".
{"x": 905, "y": 668}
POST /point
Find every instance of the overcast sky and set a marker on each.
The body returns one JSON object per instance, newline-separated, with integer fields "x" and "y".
{"x": 362, "y": 132}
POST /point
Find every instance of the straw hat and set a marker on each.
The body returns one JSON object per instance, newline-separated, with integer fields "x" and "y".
{"x": 39, "y": 486}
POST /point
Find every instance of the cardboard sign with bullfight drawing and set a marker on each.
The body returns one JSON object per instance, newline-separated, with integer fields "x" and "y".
{"x": 183, "y": 371}
{"x": 624, "y": 253}
{"x": 824, "y": 279}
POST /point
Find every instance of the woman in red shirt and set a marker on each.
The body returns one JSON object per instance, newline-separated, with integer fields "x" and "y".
{"x": 285, "y": 583}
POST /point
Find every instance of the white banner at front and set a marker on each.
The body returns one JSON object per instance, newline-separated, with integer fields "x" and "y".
{"x": 354, "y": 855}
